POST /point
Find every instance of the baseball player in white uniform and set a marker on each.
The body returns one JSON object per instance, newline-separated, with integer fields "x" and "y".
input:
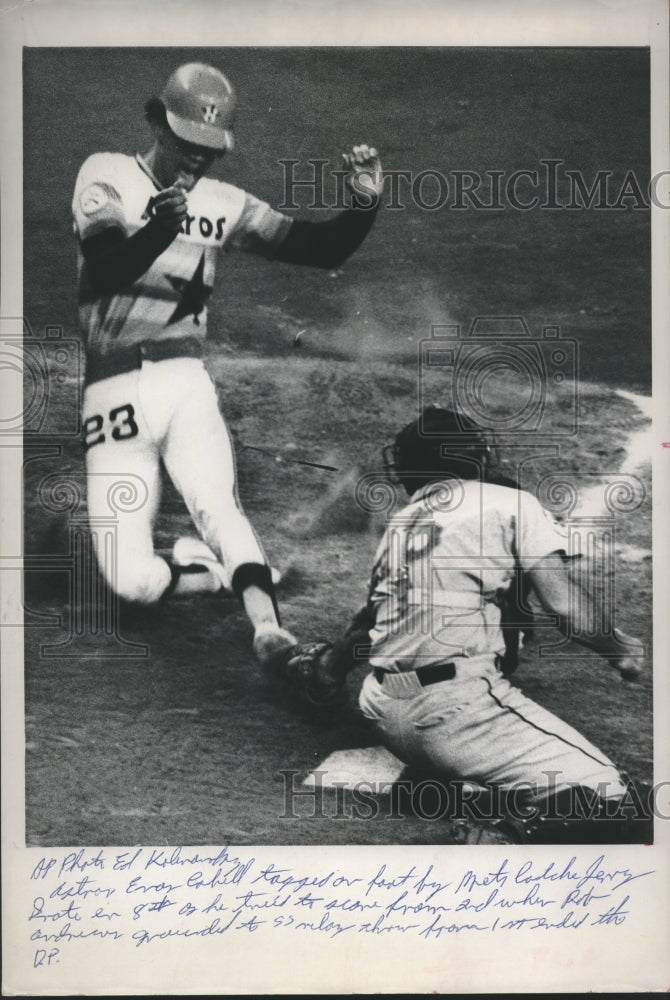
{"x": 438, "y": 694}
{"x": 149, "y": 231}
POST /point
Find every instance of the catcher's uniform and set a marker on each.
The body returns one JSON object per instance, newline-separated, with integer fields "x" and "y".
{"x": 437, "y": 693}
{"x": 148, "y": 396}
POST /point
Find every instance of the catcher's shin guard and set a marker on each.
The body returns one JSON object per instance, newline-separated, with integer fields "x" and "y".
{"x": 578, "y": 815}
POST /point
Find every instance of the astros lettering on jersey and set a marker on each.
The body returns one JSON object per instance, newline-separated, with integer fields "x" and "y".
{"x": 169, "y": 301}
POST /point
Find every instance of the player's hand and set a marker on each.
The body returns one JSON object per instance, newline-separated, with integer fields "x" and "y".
{"x": 630, "y": 663}
{"x": 170, "y": 208}
{"x": 364, "y": 178}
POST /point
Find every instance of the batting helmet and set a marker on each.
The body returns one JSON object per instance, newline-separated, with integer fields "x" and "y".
{"x": 200, "y": 106}
{"x": 439, "y": 445}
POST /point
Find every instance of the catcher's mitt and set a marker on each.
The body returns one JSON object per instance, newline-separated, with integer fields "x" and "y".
{"x": 302, "y": 675}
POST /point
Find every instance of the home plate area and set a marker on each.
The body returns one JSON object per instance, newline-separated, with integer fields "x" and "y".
{"x": 371, "y": 783}
{"x": 347, "y": 769}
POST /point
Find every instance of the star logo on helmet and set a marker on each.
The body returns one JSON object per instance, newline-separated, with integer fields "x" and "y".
{"x": 210, "y": 113}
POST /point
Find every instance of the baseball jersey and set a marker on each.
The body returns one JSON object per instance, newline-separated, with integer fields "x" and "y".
{"x": 170, "y": 299}
{"x": 441, "y": 564}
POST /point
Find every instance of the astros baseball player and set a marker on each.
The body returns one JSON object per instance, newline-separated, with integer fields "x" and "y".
{"x": 433, "y": 632}
{"x": 150, "y": 229}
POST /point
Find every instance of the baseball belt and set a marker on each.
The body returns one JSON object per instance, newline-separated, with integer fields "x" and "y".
{"x": 127, "y": 359}
{"x": 434, "y": 673}
{"x": 431, "y": 674}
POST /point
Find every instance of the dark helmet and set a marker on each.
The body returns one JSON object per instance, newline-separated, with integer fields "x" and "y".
{"x": 441, "y": 444}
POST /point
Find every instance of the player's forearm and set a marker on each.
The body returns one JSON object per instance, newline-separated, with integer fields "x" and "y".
{"x": 615, "y": 646}
{"x": 623, "y": 652}
{"x": 579, "y": 614}
{"x": 349, "y": 652}
{"x": 579, "y": 627}
{"x": 353, "y": 648}
{"x": 114, "y": 261}
{"x": 327, "y": 244}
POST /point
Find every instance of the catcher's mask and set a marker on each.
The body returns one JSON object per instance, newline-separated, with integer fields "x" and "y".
{"x": 200, "y": 106}
{"x": 441, "y": 444}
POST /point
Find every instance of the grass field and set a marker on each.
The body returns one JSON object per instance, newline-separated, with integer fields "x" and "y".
{"x": 179, "y": 738}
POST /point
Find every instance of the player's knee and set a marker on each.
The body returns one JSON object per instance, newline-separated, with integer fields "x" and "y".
{"x": 140, "y": 581}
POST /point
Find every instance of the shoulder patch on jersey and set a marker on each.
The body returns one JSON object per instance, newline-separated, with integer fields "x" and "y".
{"x": 94, "y": 197}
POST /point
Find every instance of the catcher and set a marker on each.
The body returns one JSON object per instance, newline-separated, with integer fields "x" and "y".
{"x": 446, "y": 570}
{"x": 149, "y": 230}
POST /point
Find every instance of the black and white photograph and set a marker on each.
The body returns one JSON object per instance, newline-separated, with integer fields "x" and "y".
{"x": 336, "y": 491}
{"x": 457, "y": 267}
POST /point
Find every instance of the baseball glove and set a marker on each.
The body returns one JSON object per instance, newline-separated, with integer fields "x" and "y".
{"x": 302, "y": 675}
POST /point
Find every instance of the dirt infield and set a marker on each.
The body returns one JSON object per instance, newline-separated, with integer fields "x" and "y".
{"x": 161, "y": 728}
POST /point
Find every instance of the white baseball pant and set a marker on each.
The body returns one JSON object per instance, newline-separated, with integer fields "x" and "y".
{"x": 479, "y": 727}
{"x": 165, "y": 410}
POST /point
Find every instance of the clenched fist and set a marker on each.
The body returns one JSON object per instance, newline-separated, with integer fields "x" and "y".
{"x": 365, "y": 178}
{"x": 170, "y": 208}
